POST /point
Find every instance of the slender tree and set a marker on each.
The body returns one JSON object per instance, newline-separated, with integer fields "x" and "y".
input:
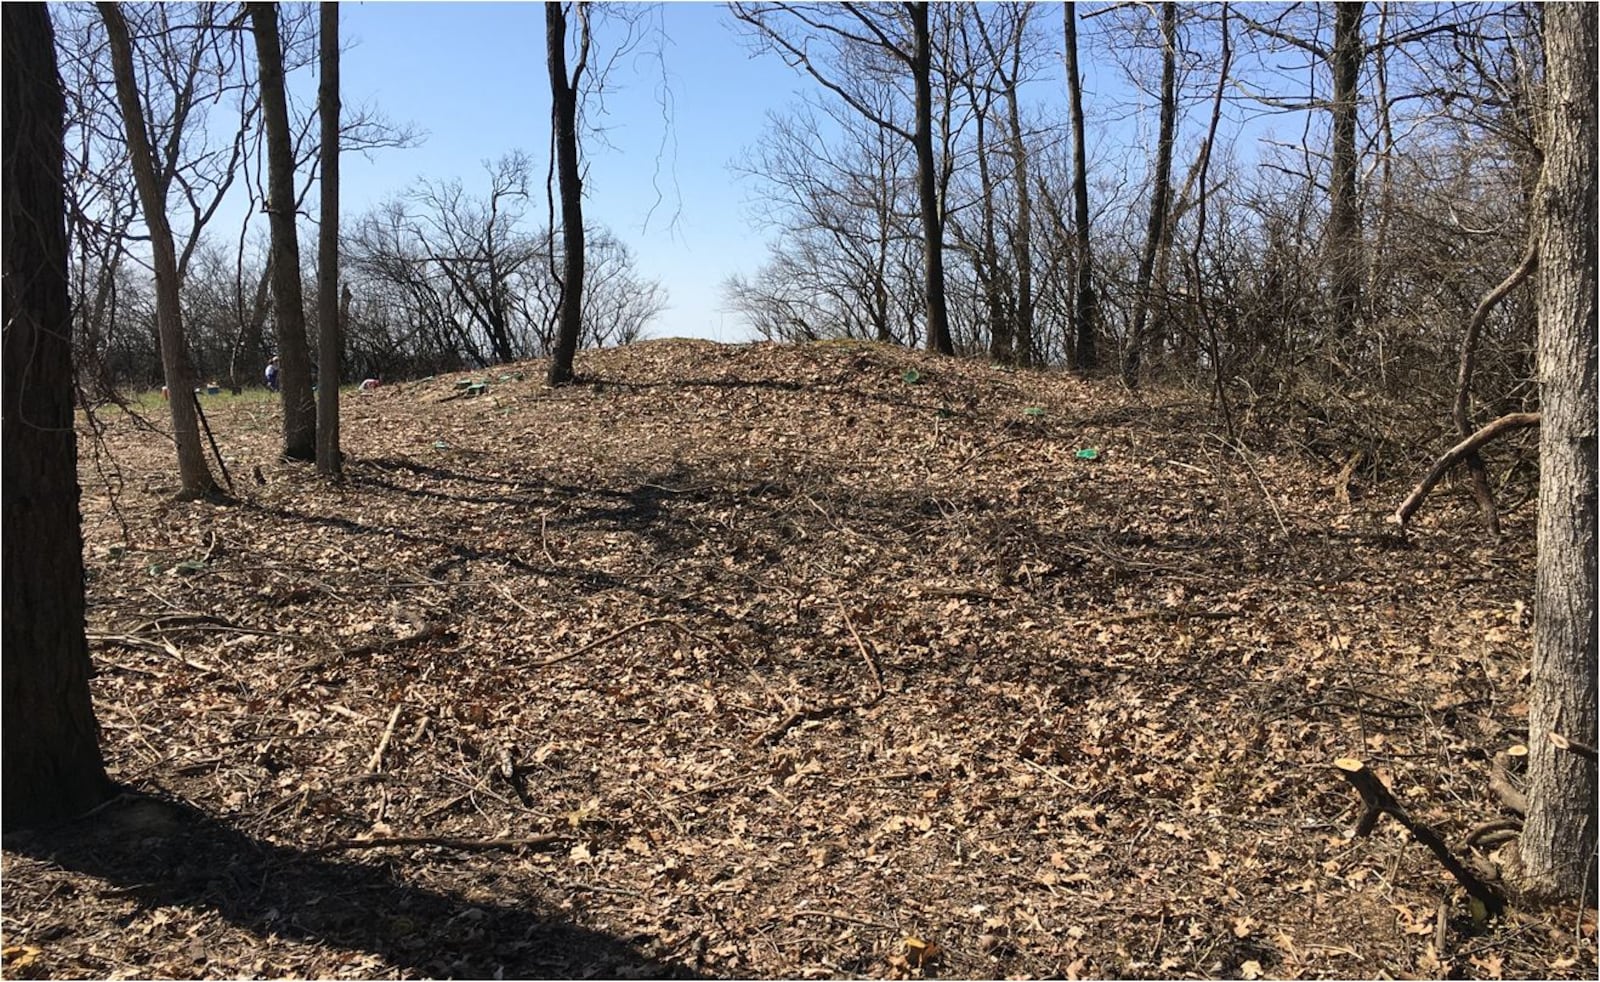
{"x": 861, "y": 31}
{"x": 1022, "y": 247}
{"x": 1086, "y": 308}
{"x": 330, "y": 336}
{"x": 51, "y": 764}
{"x": 1160, "y": 194}
{"x": 921, "y": 63}
{"x": 564, "y": 133}
{"x": 288, "y": 302}
{"x": 1559, "y": 839}
{"x": 193, "y": 472}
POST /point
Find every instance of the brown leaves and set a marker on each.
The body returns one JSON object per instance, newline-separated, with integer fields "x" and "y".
{"x": 1108, "y": 691}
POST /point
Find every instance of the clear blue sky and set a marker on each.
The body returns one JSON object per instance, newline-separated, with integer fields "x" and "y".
{"x": 473, "y": 77}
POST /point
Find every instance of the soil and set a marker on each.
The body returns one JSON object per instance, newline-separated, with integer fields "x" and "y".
{"x": 830, "y": 660}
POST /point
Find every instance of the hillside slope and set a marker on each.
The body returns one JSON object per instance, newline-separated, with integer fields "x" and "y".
{"x": 829, "y": 660}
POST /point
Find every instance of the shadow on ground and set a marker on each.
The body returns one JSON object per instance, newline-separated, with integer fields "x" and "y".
{"x": 166, "y": 854}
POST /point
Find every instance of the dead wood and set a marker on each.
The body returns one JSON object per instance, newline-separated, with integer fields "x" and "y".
{"x": 1378, "y": 801}
{"x": 636, "y": 625}
{"x": 376, "y": 760}
{"x": 1572, "y": 746}
{"x": 1508, "y": 423}
{"x": 1461, "y": 411}
{"x": 538, "y": 843}
{"x": 1170, "y": 614}
{"x": 1500, "y": 780}
{"x": 1494, "y": 832}
{"x": 799, "y": 716}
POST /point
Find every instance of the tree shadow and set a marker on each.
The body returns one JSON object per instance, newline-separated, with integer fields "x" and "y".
{"x": 168, "y": 854}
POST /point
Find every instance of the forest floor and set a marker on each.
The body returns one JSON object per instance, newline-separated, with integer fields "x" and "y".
{"x": 814, "y": 661}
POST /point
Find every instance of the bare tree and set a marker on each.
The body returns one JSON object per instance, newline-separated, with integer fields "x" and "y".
{"x": 193, "y": 472}
{"x": 564, "y": 135}
{"x": 288, "y": 303}
{"x": 330, "y": 340}
{"x": 1559, "y": 839}
{"x": 863, "y": 38}
{"x": 1086, "y": 314}
{"x": 1160, "y": 194}
{"x": 52, "y": 769}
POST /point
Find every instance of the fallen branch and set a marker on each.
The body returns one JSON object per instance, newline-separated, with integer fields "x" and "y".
{"x": 164, "y": 646}
{"x": 799, "y": 716}
{"x": 872, "y": 663}
{"x": 636, "y": 625}
{"x": 376, "y": 761}
{"x": 1505, "y": 424}
{"x": 548, "y": 841}
{"x": 1171, "y": 614}
{"x": 1378, "y": 800}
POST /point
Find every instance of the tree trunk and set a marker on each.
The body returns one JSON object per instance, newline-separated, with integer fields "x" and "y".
{"x": 52, "y": 770}
{"x": 1558, "y": 841}
{"x": 1000, "y": 336}
{"x": 1086, "y": 308}
{"x": 1022, "y": 340}
{"x": 927, "y": 186}
{"x": 1344, "y": 252}
{"x": 1160, "y": 191}
{"x": 288, "y": 304}
{"x": 194, "y": 474}
{"x": 330, "y": 338}
{"x": 564, "y": 119}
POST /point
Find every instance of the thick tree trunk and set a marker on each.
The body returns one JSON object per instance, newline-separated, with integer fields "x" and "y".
{"x": 1160, "y": 192}
{"x": 1558, "y": 841}
{"x": 564, "y": 118}
{"x": 1344, "y": 253}
{"x": 288, "y": 303}
{"x": 193, "y": 473}
{"x": 330, "y": 337}
{"x": 51, "y": 768}
{"x": 937, "y": 312}
{"x": 1086, "y": 308}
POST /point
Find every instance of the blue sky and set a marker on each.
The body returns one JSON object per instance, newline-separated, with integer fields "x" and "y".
{"x": 473, "y": 76}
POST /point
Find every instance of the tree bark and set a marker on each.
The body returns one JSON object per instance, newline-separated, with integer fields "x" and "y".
{"x": 564, "y": 120}
{"x": 1160, "y": 191}
{"x": 288, "y": 303}
{"x": 933, "y": 291}
{"x": 330, "y": 337}
{"x": 1344, "y": 252}
{"x": 194, "y": 474}
{"x": 52, "y": 769}
{"x": 1559, "y": 838}
{"x": 1086, "y": 307}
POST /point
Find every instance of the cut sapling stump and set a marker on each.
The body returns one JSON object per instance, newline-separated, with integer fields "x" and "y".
{"x": 1379, "y": 800}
